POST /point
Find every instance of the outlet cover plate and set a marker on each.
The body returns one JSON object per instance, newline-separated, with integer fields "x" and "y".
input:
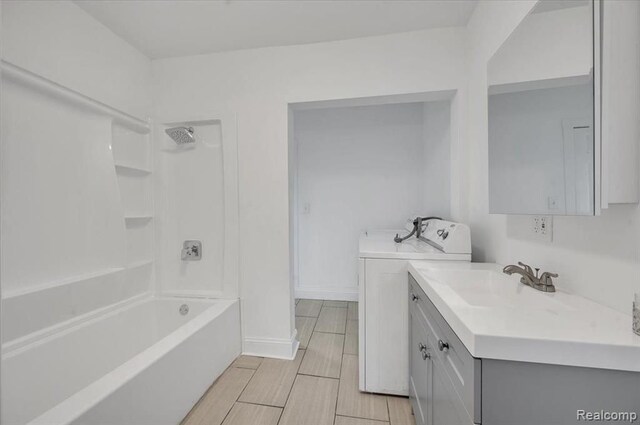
{"x": 542, "y": 227}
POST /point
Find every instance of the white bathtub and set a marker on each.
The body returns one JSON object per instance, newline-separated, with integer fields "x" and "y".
{"x": 142, "y": 364}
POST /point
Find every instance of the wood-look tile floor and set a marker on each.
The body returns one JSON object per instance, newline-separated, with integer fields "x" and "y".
{"x": 318, "y": 387}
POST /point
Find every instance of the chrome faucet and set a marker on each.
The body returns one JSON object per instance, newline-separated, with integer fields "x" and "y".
{"x": 544, "y": 282}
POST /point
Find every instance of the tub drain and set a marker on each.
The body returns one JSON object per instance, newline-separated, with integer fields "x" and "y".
{"x": 184, "y": 309}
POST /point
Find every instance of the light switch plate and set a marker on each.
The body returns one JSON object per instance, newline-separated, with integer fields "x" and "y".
{"x": 542, "y": 227}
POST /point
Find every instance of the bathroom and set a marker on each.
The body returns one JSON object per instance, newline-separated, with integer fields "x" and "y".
{"x": 192, "y": 215}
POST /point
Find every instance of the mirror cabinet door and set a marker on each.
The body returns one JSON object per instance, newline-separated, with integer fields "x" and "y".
{"x": 542, "y": 145}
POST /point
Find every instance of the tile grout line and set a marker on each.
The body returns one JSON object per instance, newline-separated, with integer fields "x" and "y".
{"x": 331, "y": 333}
{"x": 311, "y": 336}
{"x": 365, "y": 419}
{"x": 335, "y": 417}
{"x": 292, "y": 384}
{"x": 318, "y": 376}
{"x": 335, "y": 414}
{"x": 300, "y": 315}
{"x": 237, "y": 398}
{"x": 386, "y": 401}
{"x": 193, "y": 408}
{"x": 258, "y": 404}
{"x": 341, "y": 362}
{"x": 245, "y": 367}
{"x": 345, "y": 322}
{"x": 312, "y": 331}
{"x": 335, "y": 410}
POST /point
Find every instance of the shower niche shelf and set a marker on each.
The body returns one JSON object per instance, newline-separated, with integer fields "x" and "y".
{"x": 131, "y": 170}
{"x": 132, "y": 158}
{"x": 135, "y": 219}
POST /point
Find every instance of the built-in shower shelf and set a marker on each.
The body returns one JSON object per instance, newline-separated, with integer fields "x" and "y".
{"x": 132, "y": 170}
{"x": 137, "y": 218}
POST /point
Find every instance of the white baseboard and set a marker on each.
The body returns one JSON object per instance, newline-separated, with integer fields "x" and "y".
{"x": 271, "y": 347}
{"x": 327, "y": 293}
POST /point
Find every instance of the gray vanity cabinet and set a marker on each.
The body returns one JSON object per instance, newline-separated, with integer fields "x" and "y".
{"x": 420, "y": 366}
{"x": 447, "y": 407}
{"x": 444, "y": 381}
{"x": 450, "y": 387}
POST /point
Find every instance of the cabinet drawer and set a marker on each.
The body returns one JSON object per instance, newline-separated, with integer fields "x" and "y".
{"x": 461, "y": 368}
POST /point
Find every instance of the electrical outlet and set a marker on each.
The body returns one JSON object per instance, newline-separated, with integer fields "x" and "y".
{"x": 542, "y": 227}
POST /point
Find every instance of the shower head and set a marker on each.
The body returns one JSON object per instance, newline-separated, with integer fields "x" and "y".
{"x": 181, "y": 135}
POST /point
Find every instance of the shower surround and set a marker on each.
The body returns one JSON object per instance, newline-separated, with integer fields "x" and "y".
{"x": 97, "y": 201}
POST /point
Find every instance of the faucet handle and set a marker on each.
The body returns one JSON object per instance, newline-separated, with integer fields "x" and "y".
{"x": 546, "y": 278}
{"x": 526, "y": 267}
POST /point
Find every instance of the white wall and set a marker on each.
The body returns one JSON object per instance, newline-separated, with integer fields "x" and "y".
{"x": 436, "y": 179}
{"x": 359, "y": 169}
{"x": 597, "y": 257}
{"x": 258, "y": 85}
{"x": 59, "y": 41}
{"x": 68, "y": 85}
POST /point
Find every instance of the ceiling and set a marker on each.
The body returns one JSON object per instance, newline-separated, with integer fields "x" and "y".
{"x": 171, "y": 28}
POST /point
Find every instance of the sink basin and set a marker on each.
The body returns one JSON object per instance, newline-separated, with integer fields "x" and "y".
{"x": 491, "y": 288}
{"x": 497, "y": 317}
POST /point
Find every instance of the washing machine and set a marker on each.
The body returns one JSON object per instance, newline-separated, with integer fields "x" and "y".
{"x": 383, "y": 314}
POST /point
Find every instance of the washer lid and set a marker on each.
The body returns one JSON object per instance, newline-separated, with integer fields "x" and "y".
{"x": 380, "y": 244}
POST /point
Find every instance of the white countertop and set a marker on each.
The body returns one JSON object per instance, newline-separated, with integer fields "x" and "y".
{"x": 380, "y": 244}
{"x": 498, "y": 321}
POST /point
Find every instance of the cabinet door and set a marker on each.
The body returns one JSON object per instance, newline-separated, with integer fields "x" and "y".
{"x": 620, "y": 101}
{"x": 420, "y": 373}
{"x": 447, "y": 408}
{"x": 386, "y": 327}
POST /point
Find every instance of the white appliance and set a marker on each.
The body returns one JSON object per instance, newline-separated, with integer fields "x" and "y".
{"x": 383, "y": 298}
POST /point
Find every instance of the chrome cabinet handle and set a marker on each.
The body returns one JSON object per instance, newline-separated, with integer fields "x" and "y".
{"x": 442, "y": 345}
{"x": 414, "y": 297}
{"x": 421, "y": 347}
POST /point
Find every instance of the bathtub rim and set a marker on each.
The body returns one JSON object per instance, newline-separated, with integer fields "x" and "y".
{"x": 42, "y": 336}
{"x": 89, "y": 396}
